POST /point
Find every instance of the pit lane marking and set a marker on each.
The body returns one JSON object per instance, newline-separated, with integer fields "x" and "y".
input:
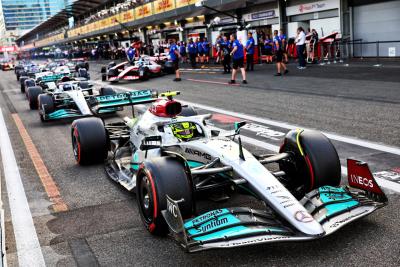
{"x": 28, "y": 247}
{"x": 204, "y": 81}
{"x": 47, "y": 180}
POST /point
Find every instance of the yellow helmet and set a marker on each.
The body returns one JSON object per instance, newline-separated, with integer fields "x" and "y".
{"x": 183, "y": 130}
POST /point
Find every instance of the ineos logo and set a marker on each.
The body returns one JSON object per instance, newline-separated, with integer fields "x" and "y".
{"x": 361, "y": 180}
{"x": 303, "y": 216}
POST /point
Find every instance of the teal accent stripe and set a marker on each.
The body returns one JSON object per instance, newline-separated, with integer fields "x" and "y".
{"x": 194, "y": 164}
{"x": 330, "y": 194}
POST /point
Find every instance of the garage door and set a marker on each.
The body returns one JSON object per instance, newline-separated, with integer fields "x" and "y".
{"x": 377, "y": 22}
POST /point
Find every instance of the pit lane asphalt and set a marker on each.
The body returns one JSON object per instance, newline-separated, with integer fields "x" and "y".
{"x": 103, "y": 227}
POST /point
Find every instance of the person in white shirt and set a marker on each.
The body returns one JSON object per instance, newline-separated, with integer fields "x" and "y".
{"x": 300, "y": 43}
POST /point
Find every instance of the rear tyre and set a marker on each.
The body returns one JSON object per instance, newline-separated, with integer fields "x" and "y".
{"x": 89, "y": 141}
{"x": 156, "y": 179}
{"x": 33, "y": 94}
{"x": 107, "y": 91}
{"x": 318, "y": 166}
{"x": 22, "y": 82}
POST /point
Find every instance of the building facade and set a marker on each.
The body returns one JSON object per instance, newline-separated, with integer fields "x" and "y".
{"x": 19, "y": 16}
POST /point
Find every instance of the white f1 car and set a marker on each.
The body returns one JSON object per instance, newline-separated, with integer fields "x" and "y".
{"x": 169, "y": 156}
{"x": 142, "y": 69}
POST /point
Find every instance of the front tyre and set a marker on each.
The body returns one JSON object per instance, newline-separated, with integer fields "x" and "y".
{"x": 156, "y": 179}
{"x": 33, "y": 95}
{"x": 89, "y": 141}
{"x": 314, "y": 163}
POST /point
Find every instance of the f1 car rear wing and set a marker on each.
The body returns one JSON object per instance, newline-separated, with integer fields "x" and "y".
{"x": 54, "y": 77}
{"x": 332, "y": 207}
{"x": 124, "y": 99}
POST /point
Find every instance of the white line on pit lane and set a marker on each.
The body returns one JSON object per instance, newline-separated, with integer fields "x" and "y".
{"x": 28, "y": 246}
{"x": 382, "y": 182}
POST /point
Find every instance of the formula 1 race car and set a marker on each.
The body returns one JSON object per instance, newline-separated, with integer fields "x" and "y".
{"x": 70, "y": 100}
{"x": 7, "y": 65}
{"x": 142, "y": 69}
{"x": 170, "y": 157}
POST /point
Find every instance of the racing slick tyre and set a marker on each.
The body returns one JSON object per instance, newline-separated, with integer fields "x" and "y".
{"x": 103, "y": 69}
{"x": 188, "y": 111}
{"x": 314, "y": 163}
{"x": 104, "y": 77}
{"x": 28, "y": 83}
{"x": 107, "y": 91}
{"x": 22, "y": 80}
{"x": 33, "y": 94}
{"x": 113, "y": 73}
{"x": 146, "y": 74}
{"x": 85, "y": 85}
{"x": 156, "y": 179}
{"x": 46, "y": 105}
{"x": 83, "y": 73}
{"x": 89, "y": 141}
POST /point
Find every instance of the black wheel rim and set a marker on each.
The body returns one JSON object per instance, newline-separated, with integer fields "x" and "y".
{"x": 146, "y": 199}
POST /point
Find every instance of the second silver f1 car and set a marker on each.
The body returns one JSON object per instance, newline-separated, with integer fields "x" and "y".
{"x": 170, "y": 156}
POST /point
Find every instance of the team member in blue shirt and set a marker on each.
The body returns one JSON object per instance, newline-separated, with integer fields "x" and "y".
{"x": 192, "y": 49}
{"x": 182, "y": 51}
{"x": 199, "y": 45}
{"x": 283, "y": 38}
{"x": 250, "y": 52}
{"x": 238, "y": 59}
{"x": 174, "y": 54}
{"x": 279, "y": 54}
{"x": 206, "y": 50}
{"x": 131, "y": 53}
{"x": 225, "y": 46}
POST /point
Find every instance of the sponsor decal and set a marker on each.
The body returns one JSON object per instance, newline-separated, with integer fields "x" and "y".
{"x": 361, "y": 180}
{"x": 253, "y": 241}
{"x": 264, "y": 131}
{"x": 338, "y": 223}
{"x": 172, "y": 208}
{"x": 206, "y": 216}
{"x": 198, "y": 153}
{"x": 131, "y": 77}
{"x": 303, "y": 216}
{"x": 391, "y": 175}
{"x": 215, "y": 223}
{"x": 359, "y": 176}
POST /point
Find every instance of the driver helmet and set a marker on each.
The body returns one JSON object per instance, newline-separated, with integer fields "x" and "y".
{"x": 183, "y": 130}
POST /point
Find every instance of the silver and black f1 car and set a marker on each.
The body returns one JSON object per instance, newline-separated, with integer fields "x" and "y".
{"x": 73, "y": 99}
{"x": 170, "y": 156}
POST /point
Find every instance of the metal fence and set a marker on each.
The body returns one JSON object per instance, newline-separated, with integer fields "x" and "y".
{"x": 357, "y": 49}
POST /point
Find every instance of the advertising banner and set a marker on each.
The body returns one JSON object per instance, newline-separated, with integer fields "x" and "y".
{"x": 143, "y": 11}
{"x": 182, "y": 3}
{"x": 8, "y": 49}
{"x": 127, "y": 16}
{"x": 161, "y": 6}
{"x": 312, "y": 7}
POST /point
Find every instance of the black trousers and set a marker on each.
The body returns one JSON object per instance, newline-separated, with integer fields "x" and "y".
{"x": 250, "y": 62}
{"x": 300, "y": 54}
{"x": 192, "y": 58}
{"x": 226, "y": 62}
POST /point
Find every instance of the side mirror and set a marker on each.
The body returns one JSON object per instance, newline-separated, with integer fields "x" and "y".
{"x": 239, "y": 125}
{"x": 215, "y": 133}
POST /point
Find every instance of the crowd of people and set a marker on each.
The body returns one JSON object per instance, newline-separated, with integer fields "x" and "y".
{"x": 228, "y": 50}
{"x": 232, "y": 54}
